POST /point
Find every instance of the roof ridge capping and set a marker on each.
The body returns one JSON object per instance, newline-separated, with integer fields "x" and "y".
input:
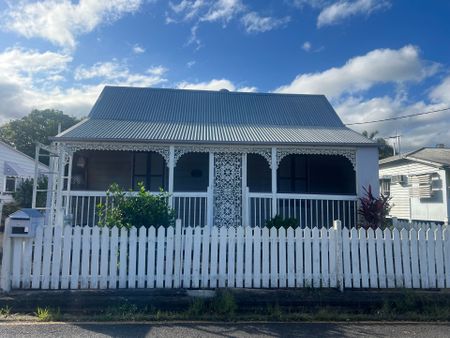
{"x": 220, "y": 91}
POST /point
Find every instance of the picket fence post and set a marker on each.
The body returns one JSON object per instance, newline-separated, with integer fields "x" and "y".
{"x": 6, "y": 261}
{"x": 337, "y": 226}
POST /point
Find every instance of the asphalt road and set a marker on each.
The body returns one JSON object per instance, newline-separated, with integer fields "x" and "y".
{"x": 226, "y": 330}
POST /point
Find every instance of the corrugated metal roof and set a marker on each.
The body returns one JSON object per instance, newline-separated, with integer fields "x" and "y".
{"x": 436, "y": 155}
{"x": 152, "y": 114}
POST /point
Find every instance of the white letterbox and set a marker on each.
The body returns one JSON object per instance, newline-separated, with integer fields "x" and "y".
{"x": 23, "y": 223}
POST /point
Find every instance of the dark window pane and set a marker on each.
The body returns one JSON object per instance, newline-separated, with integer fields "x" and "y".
{"x": 300, "y": 166}
{"x": 259, "y": 174}
{"x": 300, "y": 186}
{"x": 156, "y": 183}
{"x": 284, "y": 169}
{"x": 140, "y": 163}
{"x": 331, "y": 175}
{"x": 284, "y": 185}
{"x": 157, "y": 164}
{"x": 10, "y": 184}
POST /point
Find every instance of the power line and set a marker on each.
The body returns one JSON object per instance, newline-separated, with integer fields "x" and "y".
{"x": 399, "y": 117}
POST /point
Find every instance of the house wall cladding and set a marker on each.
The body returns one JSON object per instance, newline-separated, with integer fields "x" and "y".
{"x": 404, "y": 207}
{"x": 209, "y": 257}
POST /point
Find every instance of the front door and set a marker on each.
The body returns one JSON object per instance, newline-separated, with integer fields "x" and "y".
{"x": 227, "y": 189}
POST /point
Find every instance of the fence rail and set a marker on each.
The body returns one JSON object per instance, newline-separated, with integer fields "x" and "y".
{"x": 210, "y": 257}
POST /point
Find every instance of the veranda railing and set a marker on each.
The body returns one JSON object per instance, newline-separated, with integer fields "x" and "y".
{"x": 310, "y": 210}
{"x": 190, "y": 207}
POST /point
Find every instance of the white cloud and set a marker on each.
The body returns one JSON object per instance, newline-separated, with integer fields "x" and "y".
{"x": 157, "y": 70}
{"x": 137, "y": 49}
{"x": 363, "y": 72}
{"x": 215, "y": 84}
{"x": 426, "y": 130}
{"x": 20, "y": 71}
{"x": 254, "y": 23}
{"x": 442, "y": 91}
{"x": 190, "y": 64}
{"x": 306, "y": 46}
{"x": 30, "y": 79}
{"x": 61, "y": 21}
{"x": 311, "y": 3}
{"x": 223, "y": 10}
{"x": 114, "y": 72}
{"x": 187, "y": 9}
{"x": 341, "y": 10}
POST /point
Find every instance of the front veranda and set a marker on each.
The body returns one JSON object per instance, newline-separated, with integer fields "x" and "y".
{"x": 215, "y": 185}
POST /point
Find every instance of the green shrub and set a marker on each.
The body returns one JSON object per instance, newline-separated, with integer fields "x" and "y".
{"x": 144, "y": 209}
{"x": 279, "y": 222}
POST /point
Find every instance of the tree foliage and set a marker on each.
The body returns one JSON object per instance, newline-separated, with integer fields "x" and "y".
{"x": 384, "y": 149}
{"x": 37, "y": 126}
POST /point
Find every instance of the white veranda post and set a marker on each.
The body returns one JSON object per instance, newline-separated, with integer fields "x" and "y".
{"x": 274, "y": 181}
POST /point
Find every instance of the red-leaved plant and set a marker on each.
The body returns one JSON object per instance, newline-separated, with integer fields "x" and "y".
{"x": 373, "y": 210}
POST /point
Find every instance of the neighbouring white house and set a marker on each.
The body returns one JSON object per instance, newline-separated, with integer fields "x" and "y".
{"x": 419, "y": 184}
{"x": 226, "y": 158}
{"x": 15, "y": 167}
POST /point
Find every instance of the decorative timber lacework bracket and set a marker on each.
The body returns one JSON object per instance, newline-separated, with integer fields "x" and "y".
{"x": 115, "y": 146}
{"x": 349, "y": 153}
{"x": 181, "y": 150}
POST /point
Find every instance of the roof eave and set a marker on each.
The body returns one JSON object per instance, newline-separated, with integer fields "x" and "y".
{"x": 106, "y": 140}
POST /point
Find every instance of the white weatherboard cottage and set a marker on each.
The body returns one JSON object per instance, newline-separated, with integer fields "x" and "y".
{"x": 419, "y": 184}
{"x": 227, "y": 159}
{"x": 15, "y": 166}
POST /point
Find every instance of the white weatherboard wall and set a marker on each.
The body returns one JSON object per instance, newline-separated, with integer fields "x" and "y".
{"x": 367, "y": 170}
{"x": 211, "y": 257}
{"x": 9, "y": 154}
{"x": 425, "y": 209}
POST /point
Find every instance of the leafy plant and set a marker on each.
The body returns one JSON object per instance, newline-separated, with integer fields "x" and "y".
{"x": 279, "y": 222}
{"x": 5, "y": 311}
{"x": 46, "y": 314}
{"x": 144, "y": 209}
{"x": 373, "y": 210}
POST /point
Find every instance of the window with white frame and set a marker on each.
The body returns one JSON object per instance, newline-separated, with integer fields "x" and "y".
{"x": 10, "y": 184}
{"x": 385, "y": 185}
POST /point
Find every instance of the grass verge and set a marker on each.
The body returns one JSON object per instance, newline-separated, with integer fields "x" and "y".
{"x": 227, "y": 305}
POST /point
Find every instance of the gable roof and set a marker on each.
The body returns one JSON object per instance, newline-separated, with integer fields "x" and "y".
{"x": 177, "y": 115}
{"x": 437, "y": 156}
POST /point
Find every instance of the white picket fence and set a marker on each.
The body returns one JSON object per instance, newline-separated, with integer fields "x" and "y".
{"x": 211, "y": 257}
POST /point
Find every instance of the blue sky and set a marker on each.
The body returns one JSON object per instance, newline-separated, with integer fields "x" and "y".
{"x": 373, "y": 59}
